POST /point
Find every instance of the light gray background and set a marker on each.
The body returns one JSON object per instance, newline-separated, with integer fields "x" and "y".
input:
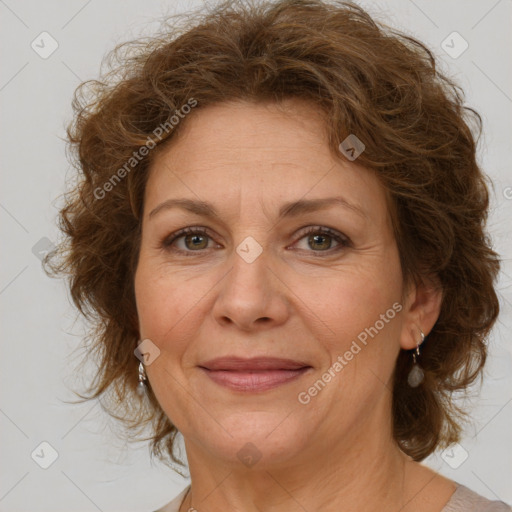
{"x": 40, "y": 334}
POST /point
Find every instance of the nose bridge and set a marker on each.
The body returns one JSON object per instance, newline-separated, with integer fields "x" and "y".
{"x": 250, "y": 291}
{"x": 250, "y": 266}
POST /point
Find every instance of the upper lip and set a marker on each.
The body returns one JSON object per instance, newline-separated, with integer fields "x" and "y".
{"x": 255, "y": 363}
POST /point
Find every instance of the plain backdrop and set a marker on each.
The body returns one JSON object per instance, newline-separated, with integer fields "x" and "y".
{"x": 89, "y": 467}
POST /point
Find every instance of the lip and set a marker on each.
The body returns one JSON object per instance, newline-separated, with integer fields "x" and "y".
{"x": 252, "y": 375}
{"x": 253, "y": 364}
{"x": 253, "y": 381}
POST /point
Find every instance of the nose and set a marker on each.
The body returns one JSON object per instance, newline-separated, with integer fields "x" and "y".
{"x": 251, "y": 296}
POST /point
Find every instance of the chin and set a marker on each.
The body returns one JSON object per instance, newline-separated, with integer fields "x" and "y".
{"x": 257, "y": 439}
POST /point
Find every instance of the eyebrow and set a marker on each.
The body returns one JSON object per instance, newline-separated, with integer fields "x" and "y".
{"x": 290, "y": 209}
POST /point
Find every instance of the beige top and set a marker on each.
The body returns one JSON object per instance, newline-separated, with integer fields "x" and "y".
{"x": 462, "y": 500}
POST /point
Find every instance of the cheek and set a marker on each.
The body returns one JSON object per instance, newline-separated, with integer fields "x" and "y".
{"x": 359, "y": 315}
{"x": 362, "y": 346}
{"x": 157, "y": 306}
{"x": 349, "y": 298}
{"x": 168, "y": 304}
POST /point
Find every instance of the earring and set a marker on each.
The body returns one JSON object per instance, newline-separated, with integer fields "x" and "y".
{"x": 416, "y": 375}
{"x": 141, "y": 386}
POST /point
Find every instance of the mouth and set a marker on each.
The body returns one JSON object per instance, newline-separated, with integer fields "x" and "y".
{"x": 256, "y": 374}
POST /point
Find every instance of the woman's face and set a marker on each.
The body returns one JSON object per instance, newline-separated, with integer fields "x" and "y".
{"x": 262, "y": 278}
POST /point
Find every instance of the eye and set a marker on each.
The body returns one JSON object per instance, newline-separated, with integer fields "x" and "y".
{"x": 320, "y": 239}
{"x": 187, "y": 240}
{"x": 193, "y": 241}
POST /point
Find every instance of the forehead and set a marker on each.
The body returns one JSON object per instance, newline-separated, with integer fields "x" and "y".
{"x": 232, "y": 131}
{"x": 258, "y": 152}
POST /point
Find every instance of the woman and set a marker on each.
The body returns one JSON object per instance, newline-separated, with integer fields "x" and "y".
{"x": 279, "y": 235}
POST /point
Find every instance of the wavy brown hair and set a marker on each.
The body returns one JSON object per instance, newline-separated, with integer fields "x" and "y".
{"x": 367, "y": 79}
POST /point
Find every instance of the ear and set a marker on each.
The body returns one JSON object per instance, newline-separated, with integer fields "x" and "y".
{"x": 422, "y": 306}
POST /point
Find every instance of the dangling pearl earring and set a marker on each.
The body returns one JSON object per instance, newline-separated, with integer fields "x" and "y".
{"x": 416, "y": 375}
{"x": 141, "y": 386}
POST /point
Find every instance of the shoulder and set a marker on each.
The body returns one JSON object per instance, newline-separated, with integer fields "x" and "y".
{"x": 174, "y": 505}
{"x": 466, "y": 500}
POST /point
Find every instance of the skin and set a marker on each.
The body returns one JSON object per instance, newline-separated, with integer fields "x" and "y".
{"x": 294, "y": 300}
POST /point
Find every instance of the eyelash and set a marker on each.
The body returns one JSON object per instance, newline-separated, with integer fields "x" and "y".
{"x": 167, "y": 242}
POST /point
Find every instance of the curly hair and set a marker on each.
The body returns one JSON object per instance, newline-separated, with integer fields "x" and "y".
{"x": 367, "y": 79}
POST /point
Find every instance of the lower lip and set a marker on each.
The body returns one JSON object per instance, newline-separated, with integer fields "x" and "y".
{"x": 254, "y": 381}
